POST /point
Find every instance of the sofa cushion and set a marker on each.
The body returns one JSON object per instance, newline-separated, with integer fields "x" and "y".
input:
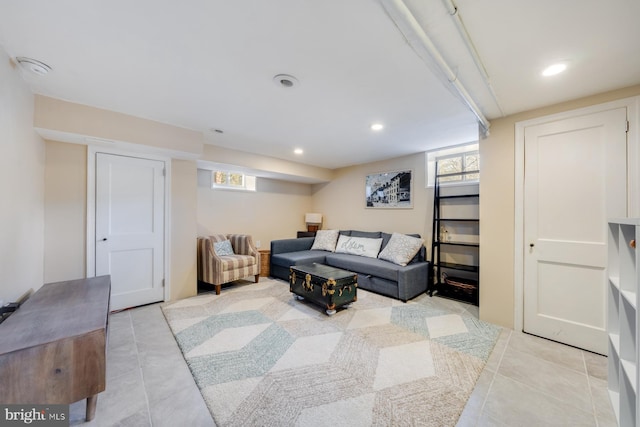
{"x": 362, "y": 265}
{"x": 385, "y": 240}
{"x": 401, "y": 249}
{"x": 358, "y": 246}
{"x": 325, "y": 240}
{"x": 223, "y": 248}
{"x": 367, "y": 234}
{"x": 296, "y": 258}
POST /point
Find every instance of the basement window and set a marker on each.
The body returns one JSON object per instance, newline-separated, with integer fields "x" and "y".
{"x": 461, "y": 158}
{"x": 232, "y": 181}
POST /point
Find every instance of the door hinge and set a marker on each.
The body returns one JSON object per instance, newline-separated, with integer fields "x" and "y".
{"x": 163, "y": 283}
{"x": 627, "y": 130}
{"x": 164, "y": 172}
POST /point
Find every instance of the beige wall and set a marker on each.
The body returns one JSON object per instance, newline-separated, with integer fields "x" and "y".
{"x": 183, "y": 229}
{"x": 65, "y": 218}
{"x": 22, "y": 157}
{"x": 266, "y": 164}
{"x": 342, "y": 201}
{"x": 31, "y": 253}
{"x": 65, "y": 234}
{"x": 65, "y": 211}
{"x": 81, "y": 121}
{"x": 497, "y": 207}
{"x": 274, "y": 211}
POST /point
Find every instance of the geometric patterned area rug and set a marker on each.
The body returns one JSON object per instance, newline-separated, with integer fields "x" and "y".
{"x": 262, "y": 358}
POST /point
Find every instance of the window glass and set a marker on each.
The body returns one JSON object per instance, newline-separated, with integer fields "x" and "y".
{"x": 451, "y": 160}
{"x": 234, "y": 180}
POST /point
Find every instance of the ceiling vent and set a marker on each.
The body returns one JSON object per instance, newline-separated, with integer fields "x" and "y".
{"x": 285, "y": 80}
{"x": 33, "y": 65}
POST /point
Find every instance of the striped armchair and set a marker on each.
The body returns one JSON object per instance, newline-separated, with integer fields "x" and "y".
{"x": 218, "y": 269}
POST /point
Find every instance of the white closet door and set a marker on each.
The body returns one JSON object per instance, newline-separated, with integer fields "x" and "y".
{"x": 130, "y": 228}
{"x": 574, "y": 181}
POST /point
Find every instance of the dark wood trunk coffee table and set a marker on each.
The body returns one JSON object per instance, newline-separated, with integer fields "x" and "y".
{"x": 326, "y": 286}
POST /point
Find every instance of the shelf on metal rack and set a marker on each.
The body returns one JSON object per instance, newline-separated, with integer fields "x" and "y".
{"x": 459, "y": 196}
{"x": 461, "y": 267}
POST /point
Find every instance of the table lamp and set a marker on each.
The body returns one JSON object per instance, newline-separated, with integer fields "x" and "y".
{"x": 313, "y": 221}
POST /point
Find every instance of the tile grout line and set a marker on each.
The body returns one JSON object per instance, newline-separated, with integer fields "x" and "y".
{"x": 593, "y": 403}
{"x": 493, "y": 378}
{"x": 583, "y": 372}
{"x": 540, "y": 391}
{"x": 144, "y": 386}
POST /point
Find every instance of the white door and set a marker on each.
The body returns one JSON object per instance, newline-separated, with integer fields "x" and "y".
{"x": 574, "y": 181}
{"x": 130, "y": 228}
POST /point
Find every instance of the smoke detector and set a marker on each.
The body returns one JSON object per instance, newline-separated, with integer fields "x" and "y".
{"x": 33, "y": 65}
{"x": 285, "y": 80}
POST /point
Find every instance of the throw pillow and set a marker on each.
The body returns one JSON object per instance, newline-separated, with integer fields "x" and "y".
{"x": 401, "y": 249}
{"x": 358, "y": 246}
{"x": 223, "y": 248}
{"x": 325, "y": 240}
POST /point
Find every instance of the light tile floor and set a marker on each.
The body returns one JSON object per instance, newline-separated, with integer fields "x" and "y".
{"x": 148, "y": 381}
{"x": 528, "y": 381}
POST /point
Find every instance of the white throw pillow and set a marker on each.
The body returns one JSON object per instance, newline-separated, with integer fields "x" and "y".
{"x": 223, "y": 248}
{"x": 401, "y": 249}
{"x": 362, "y": 246}
{"x": 325, "y": 240}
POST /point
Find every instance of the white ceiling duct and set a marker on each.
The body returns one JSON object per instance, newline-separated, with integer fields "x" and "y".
{"x": 404, "y": 20}
{"x": 452, "y": 9}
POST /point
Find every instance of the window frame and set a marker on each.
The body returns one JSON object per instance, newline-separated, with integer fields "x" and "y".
{"x": 248, "y": 181}
{"x": 461, "y": 151}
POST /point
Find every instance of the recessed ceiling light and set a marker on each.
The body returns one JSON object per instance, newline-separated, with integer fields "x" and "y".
{"x": 377, "y": 126}
{"x": 298, "y": 151}
{"x": 33, "y": 65}
{"x": 285, "y": 80}
{"x": 554, "y": 69}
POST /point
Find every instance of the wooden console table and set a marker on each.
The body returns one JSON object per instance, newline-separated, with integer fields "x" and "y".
{"x": 53, "y": 348}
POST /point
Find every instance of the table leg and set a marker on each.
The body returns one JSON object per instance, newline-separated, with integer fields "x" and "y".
{"x": 92, "y": 402}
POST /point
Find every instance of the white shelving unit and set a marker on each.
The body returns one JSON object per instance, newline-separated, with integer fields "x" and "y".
{"x": 623, "y": 322}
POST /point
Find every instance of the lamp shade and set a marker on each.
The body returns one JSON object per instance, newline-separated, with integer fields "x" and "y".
{"x": 313, "y": 218}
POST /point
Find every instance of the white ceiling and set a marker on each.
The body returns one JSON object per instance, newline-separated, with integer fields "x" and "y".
{"x": 205, "y": 64}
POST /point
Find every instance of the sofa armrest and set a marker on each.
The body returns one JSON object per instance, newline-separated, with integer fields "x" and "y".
{"x": 291, "y": 245}
{"x": 412, "y": 280}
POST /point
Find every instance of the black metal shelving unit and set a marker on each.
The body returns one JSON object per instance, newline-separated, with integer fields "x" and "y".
{"x": 444, "y": 280}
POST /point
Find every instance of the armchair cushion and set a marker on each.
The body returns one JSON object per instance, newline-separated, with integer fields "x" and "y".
{"x": 234, "y": 262}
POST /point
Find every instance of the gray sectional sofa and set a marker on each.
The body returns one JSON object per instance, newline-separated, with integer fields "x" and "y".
{"x": 376, "y": 275}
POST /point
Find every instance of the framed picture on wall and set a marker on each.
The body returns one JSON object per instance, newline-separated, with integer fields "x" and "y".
{"x": 389, "y": 190}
